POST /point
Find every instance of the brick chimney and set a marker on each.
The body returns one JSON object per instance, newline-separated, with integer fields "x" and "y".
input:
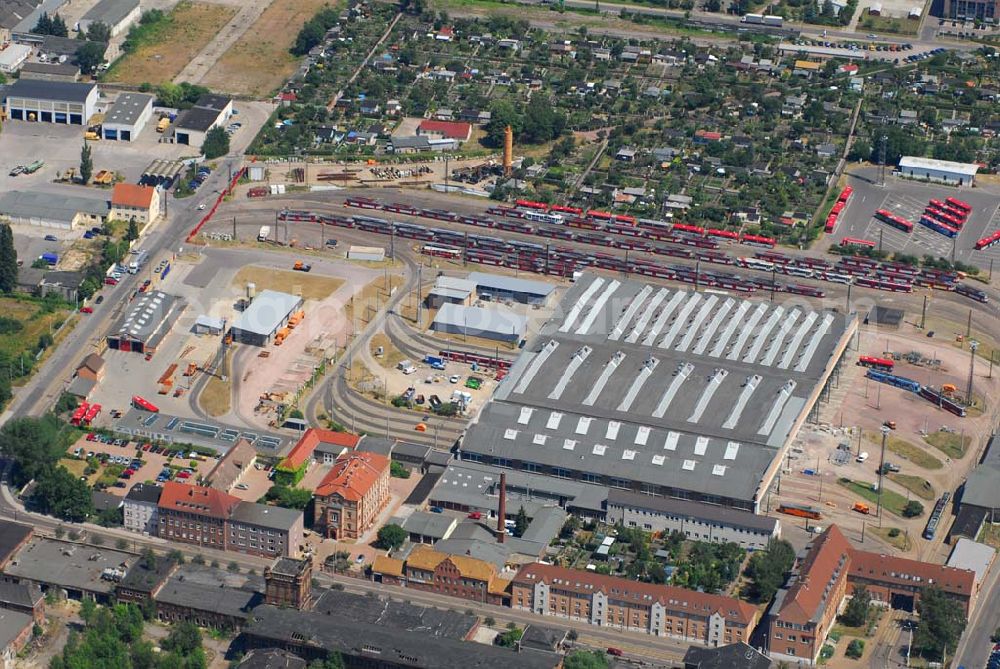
{"x": 502, "y": 509}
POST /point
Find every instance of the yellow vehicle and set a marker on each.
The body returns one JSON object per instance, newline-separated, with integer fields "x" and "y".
{"x": 92, "y": 136}
{"x": 861, "y": 507}
{"x": 163, "y": 124}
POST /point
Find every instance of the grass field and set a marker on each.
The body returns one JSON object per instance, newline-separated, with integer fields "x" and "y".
{"x": 371, "y": 298}
{"x": 951, "y": 444}
{"x": 920, "y": 487}
{"x": 216, "y": 396}
{"x": 391, "y": 356}
{"x": 259, "y": 62}
{"x": 35, "y": 321}
{"x": 905, "y": 449}
{"x": 891, "y": 500}
{"x": 309, "y": 286}
{"x": 900, "y": 541}
{"x": 190, "y": 26}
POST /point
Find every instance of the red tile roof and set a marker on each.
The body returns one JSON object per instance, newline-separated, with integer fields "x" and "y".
{"x": 672, "y": 597}
{"x": 132, "y": 195}
{"x": 825, "y": 562}
{"x": 312, "y": 438}
{"x": 197, "y": 499}
{"x": 903, "y": 571}
{"x": 353, "y": 475}
{"x": 450, "y": 129}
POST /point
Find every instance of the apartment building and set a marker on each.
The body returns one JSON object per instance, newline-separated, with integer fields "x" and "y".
{"x": 453, "y": 575}
{"x": 350, "y": 497}
{"x": 619, "y": 603}
{"x": 140, "y": 508}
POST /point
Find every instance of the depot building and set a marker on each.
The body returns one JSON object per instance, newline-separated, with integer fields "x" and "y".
{"x": 65, "y": 102}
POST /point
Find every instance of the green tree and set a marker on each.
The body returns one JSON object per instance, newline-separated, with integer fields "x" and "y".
{"x": 520, "y": 522}
{"x": 51, "y": 26}
{"x": 942, "y": 622}
{"x": 99, "y": 32}
{"x": 90, "y": 55}
{"x": 8, "y": 260}
{"x": 586, "y": 659}
{"x": 509, "y": 638}
{"x": 913, "y": 509}
{"x": 857, "y": 609}
{"x": 767, "y": 569}
{"x": 288, "y": 497}
{"x": 216, "y": 143}
{"x": 391, "y": 537}
{"x": 59, "y": 28}
{"x": 398, "y": 470}
{"x": 183, "y": 638}
{"x": 855, "y": 649}
{"x": 60, "y": 494}
{"x": 86, "y": 164}
{"x": 133, "y": 231}
{"x": 332, "y": 661}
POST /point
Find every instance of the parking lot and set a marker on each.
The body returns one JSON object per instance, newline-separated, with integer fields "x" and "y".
{"x": 908, "y": 199}
{"x": 120, "y": 455}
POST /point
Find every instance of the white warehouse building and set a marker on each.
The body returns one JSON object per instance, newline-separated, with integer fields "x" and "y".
{"x": 51, "y": 101}
{"x": 946, "y": 171}
{"x": 127, "y": 116}
{"x": 118, "y": 15}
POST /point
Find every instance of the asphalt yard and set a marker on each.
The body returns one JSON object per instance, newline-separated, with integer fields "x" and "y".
{"x": 908, "y": 200}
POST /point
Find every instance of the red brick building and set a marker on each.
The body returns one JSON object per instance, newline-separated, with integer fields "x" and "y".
{"x": 619, "y": 603}
{"x": 193, "y": 514}
{"x": 804, "y": 611}
{"x": 453, "y": 575}
{"x": 350, "y": 497}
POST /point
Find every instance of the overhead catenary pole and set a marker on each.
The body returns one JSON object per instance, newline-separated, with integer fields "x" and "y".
{"x": 973, "y": 345}
{"x": 881, "y": 472}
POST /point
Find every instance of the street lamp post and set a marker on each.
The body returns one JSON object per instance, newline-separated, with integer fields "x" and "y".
{"x": 881, "y": 472}
{"x": 973, "y": 345}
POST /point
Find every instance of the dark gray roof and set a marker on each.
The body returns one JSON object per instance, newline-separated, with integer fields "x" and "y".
{"x": 143, "y": 579}
{"x": 369, "y": 444}
{"x": 12, "y": 12}
{"x": 214, "y": 590}
{"x": 271, "y": 658}
{"x": 395, "y": 615}
{"x": 145, "y": 492}
{"x": 407, "y": 449}
{"x": 542, "y": 638}
{"x": 213, "y": 101}
{"x": 420, "y": 143}
{"x": 111, "y": 12}
{"x": 104, "y": 501}
{"x": 287, "y": 566}
{"x": 510, "y": 284}
{"x": 19, "y": 594}
{"x": 262, "y": 515}
{"x": 686, "y": 390}
{"x": 982, "y": 488}
{"x": 354, "y": 638}
{"x": 61, "y": 91}
{"x": 151, "y": 315}
{"x": 734, "y": 656}
{"x": 64, "y": 69}
{"x": 434, "y": 525}
{"x": 72, "y": 566}
{"x": 692, "y": 510}
{"x": 196, "y": 118}
{"x": 59, "y": 207}
{"x": 127, "y": 109}
{"x": 12, "y": 535}
{"x": 12, "y": 624}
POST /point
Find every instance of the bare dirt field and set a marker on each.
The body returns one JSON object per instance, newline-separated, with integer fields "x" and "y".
{"x": 192, "y": 26}
{"x": 259, "y": 62}
{"x": 308, "y": 286}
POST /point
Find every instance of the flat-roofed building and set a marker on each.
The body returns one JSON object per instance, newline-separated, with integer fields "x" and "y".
{"x": 450, "y": 290}
{"x": 983, "y": 10}
{"x": 620, "y": 603}
{"x": 50, "y": 72}
{"x": 500, "y": 287}
{"x": 50, "y": 210}
{"x": 143, "y": 327}
{"x": 50, "y": 101}
{"x": 661, "y": 391}
{"x": 192, "y": 125}
{"x": 267, "y": 313}
{"x": 698, "y": 522}
{"x": 944, "y": 171}
{"x": 493, "y": 323}
{"x": 117, "y": 15}
{"x": 141, "y": 509}
{"x": 127, "y": 116}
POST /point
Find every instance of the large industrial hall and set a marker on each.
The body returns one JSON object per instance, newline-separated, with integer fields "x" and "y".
{"x": 684, "y": 394}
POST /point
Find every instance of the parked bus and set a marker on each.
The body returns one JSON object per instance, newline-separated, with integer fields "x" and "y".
{"x": 853, "y": 241}
{"x": 894, "y": 221}
{"x": 958, "y": 204}
{"x": 800, "y": 510}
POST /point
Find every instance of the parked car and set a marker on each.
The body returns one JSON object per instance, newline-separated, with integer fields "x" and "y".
{"x": 51, "y": 238}
{"x": 86, "y": 310}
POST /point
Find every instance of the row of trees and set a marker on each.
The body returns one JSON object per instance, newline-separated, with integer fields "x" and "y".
{"x": 314, "y": 30}
{"x": 36, "y": 445}
{"x": 536, "y": 123}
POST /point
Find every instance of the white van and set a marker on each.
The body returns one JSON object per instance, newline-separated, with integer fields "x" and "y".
{"x": 862, "y": 456}
{"x": 406, "y": 367}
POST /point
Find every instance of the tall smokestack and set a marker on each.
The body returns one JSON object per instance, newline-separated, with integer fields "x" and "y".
{"x": 502, "y": 509}
{"x": 508, "y": 151}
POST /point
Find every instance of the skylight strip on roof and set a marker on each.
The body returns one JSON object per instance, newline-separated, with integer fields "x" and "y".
{"x": 806, "y": 357}
{"x": 602, "y": 380}
{"x": 598, "y": 308}
{"x": 662, "y": 319}
{"x": 779, "y": 403}
{"x": 640, "y": 379}
{"x": 646, "y": 315}
{"x": 734, "y": 322}
{"x": 630, "y": 312}
{"x": 746, "y": 331}
{"x": 680, "y": 320}
{"x": 706, "y": 395}
{"x": 554, "y": 419}
{"x": 525, "y": 415}
{"x": 536, "y": 364}
{"x": 642, "y": 435}
{"x": 679, "y": 378}
{"x": 775, "y": 346}
{"x": 671, "y": 442}
{"x": 793, "y": 346}
{"x": 581, "y": 302}
{"x": 741, "y": 402}
{"x": 574, "y": 364}
{"x": 695, "y": 328}
{"x": 760, "y": 338}
{"x": 613, "y": 427}
{"x": 701, "y": 446}
{"x": 732, "y": 448}
{"x": 713, "y": 325}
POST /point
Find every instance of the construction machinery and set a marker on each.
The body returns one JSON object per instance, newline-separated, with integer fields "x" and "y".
{"x": 300, "y": 266}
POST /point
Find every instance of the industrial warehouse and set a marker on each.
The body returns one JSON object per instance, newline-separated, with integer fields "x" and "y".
{"x": 145, "y": 325}
{"x": 665, "y": 392}
{"x": 267, "y": 313}
{"x": 51, "y": 101}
